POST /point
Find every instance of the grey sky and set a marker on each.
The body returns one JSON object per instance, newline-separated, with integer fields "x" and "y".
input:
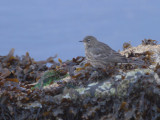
{"x": 48, "y": 27}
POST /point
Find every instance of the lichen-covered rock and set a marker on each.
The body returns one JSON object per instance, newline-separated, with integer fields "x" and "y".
{"x": 145, "y": 52}
{"x": 117, "y": 85}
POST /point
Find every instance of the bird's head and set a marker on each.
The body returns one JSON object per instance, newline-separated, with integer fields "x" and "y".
{"x": 89, "y": 41}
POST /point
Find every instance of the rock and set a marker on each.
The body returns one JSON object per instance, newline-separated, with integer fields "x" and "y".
{"x": 153, "y": 51}
{"x": 124, "y": 93}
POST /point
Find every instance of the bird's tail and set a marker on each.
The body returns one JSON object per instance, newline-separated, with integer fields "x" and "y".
{"x": 137, "y": 62}
{"x": 131, "y": 61}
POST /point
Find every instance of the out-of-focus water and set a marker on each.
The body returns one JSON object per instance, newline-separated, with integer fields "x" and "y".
{"x": 48, "y": 27}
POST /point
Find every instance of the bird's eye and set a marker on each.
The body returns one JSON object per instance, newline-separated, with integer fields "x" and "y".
{"x": 88, "y": 40}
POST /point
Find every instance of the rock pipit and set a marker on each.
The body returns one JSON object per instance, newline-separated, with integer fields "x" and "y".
{"x": 99, "y": 54}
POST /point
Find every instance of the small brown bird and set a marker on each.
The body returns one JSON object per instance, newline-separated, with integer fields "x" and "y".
{"x": 99, "y": 54}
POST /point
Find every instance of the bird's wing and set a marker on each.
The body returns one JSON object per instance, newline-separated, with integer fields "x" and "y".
{"x": 98, "y": 54}
{"x": 105, "y": 53}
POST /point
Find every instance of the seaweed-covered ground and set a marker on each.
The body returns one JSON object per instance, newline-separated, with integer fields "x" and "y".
{"x": 74, "y": 90}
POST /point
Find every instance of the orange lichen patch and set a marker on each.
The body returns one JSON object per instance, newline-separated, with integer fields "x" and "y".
{"x": 11, "y": 58}
{"x": 60, "y": 61}
{"x": 123, "y": 77}
{"x": 27, "y": 98}
{"x": 57, "y": 67}
{"x": 37, "y": 78}
{"x": 144, "y": 66}
{"x": 123, "y": 106}
{"x": 147, "y": 73}
{"x": 79, "y": 69}
{"x": 76, "y": 76}
{"x": 87, "y": 64}
{"x": 83, "y": 68}
{"x": 1, "y": 83}
{"x": 12, "y": 79}
{"x": 46, "y": 113}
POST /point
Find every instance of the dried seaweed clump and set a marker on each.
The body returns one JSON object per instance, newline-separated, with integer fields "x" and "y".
{"x": 149, "y": 42}
{"x": 126, "y": 45}
{"x": 84, "y": 73}
{"x": 145, "y": 56}
{"x": 22, "y": 69}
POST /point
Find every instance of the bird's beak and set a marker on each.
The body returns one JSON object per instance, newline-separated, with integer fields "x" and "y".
{"x": 81, "y": 41}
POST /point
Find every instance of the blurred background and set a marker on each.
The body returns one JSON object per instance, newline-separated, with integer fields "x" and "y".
{"x": 48, "y": 27}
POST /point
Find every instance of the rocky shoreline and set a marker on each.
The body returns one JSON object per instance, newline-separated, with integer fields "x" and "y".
{"x": 74, "y": 90}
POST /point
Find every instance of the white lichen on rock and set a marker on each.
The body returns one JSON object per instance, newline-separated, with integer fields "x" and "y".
{"x": 92, "y": 84}
{"x": 109, "y": 88}
{"x": 105, "y": 86}
{"x": 35, "y": 104}
{"x": 82, "y": 90}
{"x": 132, "y": 77}
{"x": 67, "y": 96}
